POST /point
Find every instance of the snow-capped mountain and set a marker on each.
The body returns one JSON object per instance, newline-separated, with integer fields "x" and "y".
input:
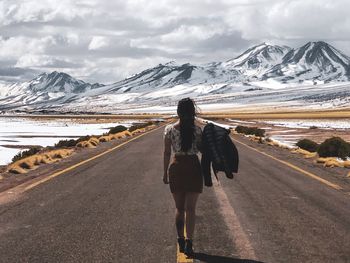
{"x": 263, "y": 74}
{"x": 46, "y": 88}
{"x": 172, "y": 74}
{"x": 316, "y": 61}
{"x": 254, "y": 62}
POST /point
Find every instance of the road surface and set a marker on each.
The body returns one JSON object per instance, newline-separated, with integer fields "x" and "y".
{"x": 116, "y": 208}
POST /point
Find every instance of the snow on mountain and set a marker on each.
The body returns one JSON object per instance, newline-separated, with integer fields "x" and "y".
{"x": 254, "y": 62}
{"x": 317, "y": 61}
{"x": 263, "y": 75}
{"x": 45, "y": 89}
{"x": 172, "y": 74}
{"x": 164, "y": 84}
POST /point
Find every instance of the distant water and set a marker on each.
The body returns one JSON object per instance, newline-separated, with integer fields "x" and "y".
{"x": 25, "y": 132}
{"x": 307, "y": 123}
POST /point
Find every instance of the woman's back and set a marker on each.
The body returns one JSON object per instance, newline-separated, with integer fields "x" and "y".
{"x": 172, "y": 131}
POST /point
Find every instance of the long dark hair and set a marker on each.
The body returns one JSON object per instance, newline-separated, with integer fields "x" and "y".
{"x": 186, "y": 110}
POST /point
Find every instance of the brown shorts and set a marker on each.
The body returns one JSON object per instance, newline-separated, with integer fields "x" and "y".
{"x": 185, "y": 174}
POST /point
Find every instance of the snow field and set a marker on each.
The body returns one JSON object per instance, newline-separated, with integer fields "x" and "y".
{"x": 26, "y": 132}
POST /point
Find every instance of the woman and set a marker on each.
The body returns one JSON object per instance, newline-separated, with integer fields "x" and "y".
{"x": 184, "y": 176}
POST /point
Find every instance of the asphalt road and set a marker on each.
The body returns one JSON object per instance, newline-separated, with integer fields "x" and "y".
{"x": 117, "y": 209}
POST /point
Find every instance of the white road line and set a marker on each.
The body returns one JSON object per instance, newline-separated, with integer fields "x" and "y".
{"x": 240, "y": 239}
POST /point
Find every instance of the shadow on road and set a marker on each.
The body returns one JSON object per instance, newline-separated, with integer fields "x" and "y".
{"x": 220, "y": 259}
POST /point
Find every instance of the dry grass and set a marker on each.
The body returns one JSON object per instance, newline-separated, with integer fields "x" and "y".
{"x": 85, "y": 144}
{"x": 270, "y": 142}
{"x": 105, "y": 138}
{"x": 150, "y": 127}
{"x": 333, "y": 163}
{"x": 255, "y": 138}
{"x": 346, "y": 164}
{"x": 323, "y": 159}
{"x": 137, "y": 131}
{"x": 116, "y": 136}
{"x": 32, "y": 162}
{"x": 127, "y": 133}
{"x": 301, "y": 151}
{"x": 273, "y": 143}
{"x": 46, "y": 158}
{"x": 93, "y": 142}
{"x": 15, "y": 169}
{"x": 306, "y": 154}
{"x": 119, "y": 135}
{"x": 330, "y": 162}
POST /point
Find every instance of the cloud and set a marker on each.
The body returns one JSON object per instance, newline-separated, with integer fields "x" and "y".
{"x": 14, "y": 47}
{"x": 44, "y": 61}
{"x": 14, "y": 71}
{"x": 14, "y": 74}
{"x": 98, "y": 42}
{"x": 104, "y": 41}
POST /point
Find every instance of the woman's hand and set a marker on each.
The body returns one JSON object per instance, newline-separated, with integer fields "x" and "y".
{"x": 166, "y": 178}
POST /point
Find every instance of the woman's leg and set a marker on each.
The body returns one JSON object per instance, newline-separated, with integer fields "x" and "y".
{"x": 190, "y": 209}
{"x": 180, "y": 213}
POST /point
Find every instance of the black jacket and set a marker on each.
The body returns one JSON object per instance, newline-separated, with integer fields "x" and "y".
{"x": 218, "y": 150}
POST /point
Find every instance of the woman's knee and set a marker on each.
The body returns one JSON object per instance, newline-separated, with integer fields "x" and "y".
{"x": 191, "y": 201}
{"x": 180, "y": 210}
{"x": 190, "y": 208}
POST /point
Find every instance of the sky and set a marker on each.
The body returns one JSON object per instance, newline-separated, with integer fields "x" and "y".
{"x": 105, "y": 41}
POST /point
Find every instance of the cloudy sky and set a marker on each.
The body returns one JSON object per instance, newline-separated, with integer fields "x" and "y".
{"x": 107, "y": 40}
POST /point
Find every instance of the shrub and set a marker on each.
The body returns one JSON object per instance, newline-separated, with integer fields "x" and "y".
{"x": 66, "y": 143}
{"x": 250, "y": 130}
{"x": 139, "y": 126}
{"x": 308, "y": 145}
{"x": 334, "y": 147}
{"x": 83, "y": 138}
{"x": 240, "y": 129}
{"x": 26, "y": 153}
{"x": 258, "y": 132}
{"x": 117, "y": 129}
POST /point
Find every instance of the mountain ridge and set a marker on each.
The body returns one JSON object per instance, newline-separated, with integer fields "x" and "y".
{"x": 320, "y": 60}
{"x": 257, "y": 70}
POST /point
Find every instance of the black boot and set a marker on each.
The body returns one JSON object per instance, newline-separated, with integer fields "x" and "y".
{"x": 188, "y": 247}
{"x": 181, "y": 242}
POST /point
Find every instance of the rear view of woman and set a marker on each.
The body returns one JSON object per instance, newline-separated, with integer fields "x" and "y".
{"x": 183, "y": 175}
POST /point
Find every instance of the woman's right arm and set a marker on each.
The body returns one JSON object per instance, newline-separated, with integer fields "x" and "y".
{"x": 199, "y": 140}
{"x": 166, "y": 155}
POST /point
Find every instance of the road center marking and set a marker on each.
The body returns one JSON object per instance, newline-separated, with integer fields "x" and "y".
{"x": 181, "y": 257}
{"x": 86, "y": 161}
{"x": 239, "y": 237}
{"x": 313, "y": 176}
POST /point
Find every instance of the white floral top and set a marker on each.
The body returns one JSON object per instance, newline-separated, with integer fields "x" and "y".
{"x": 174, "y": 135}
